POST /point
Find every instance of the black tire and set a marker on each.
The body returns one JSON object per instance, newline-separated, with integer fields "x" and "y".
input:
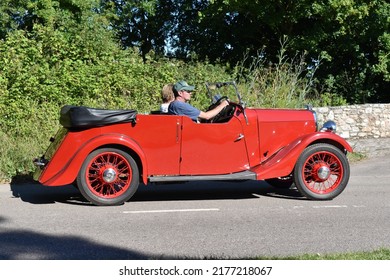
{"x": 108, "y": 177}
{"x": 321, "y": 172}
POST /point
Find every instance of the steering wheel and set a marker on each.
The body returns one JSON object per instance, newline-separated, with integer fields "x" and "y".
{"x": 224, "y": 114}
{"x": 212, "y": 106}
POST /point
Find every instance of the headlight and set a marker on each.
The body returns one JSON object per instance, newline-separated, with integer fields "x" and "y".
{"x": 329, "y": 126}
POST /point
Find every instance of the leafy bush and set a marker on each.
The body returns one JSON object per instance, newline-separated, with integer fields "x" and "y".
{"x": 289, "y": 83}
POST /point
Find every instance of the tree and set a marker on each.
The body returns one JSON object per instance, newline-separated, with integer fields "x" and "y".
{"x": 351, "y": 37}
{"x": 24, "y": 14}
{"x": 144, "y": 24}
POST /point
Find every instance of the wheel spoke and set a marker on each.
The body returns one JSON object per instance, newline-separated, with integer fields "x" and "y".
{"x": 316, "y": 163}
{"x": 116, "y": 164}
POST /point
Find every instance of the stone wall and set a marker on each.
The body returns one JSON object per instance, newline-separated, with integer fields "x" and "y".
{"x": 366, "y": 127}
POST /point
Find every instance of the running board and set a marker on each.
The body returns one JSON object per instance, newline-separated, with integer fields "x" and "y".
{"x": 244, "y": 175}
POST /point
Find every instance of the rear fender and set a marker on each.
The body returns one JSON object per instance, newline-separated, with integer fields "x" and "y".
{"x": 282, "y": 163}
{"x": 68, "y": 173}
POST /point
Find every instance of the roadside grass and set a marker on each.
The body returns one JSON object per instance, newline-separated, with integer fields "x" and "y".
{"x": 356, "y": 157}
{"x": 380, "y": 254}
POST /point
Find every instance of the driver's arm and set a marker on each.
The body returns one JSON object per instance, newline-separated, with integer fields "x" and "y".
{"x": 212, "y": 113}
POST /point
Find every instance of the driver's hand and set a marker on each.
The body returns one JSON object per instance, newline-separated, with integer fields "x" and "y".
{"x": 225, "y": 103}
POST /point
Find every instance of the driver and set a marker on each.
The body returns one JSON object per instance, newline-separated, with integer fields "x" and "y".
{"x": 180, "y": 105}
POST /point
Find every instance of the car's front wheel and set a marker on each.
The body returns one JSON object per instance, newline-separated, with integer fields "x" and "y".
{"x": 321, "y": 172}
{"x": 108, "y": 176}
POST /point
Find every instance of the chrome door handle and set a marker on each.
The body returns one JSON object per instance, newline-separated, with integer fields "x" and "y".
{"x": 240, "y": 136}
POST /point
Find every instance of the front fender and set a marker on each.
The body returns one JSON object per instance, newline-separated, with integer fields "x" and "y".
{"x": 66, "y": 162}
{"x": 282, "y": 163}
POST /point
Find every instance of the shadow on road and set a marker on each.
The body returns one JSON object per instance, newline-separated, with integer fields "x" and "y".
{"x": 205, "y": 190}
{"x": 212, "y": 190}
{"x": 28, "y": 245}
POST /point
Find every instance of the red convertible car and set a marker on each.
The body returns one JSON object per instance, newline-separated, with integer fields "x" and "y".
{"x": 107, "y": 153}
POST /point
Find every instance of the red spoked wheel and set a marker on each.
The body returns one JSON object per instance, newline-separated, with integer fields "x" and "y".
{"x": 108, "y": 177}
{"x": 322, "y": 172}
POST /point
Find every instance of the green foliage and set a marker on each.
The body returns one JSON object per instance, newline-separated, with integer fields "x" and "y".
{"x": 287, "y": 83}
{"x": 352, "y": 36}
{"x": 141, "y": 24}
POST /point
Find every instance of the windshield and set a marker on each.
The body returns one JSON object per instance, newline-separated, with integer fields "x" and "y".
{"x": 218, "y": 90}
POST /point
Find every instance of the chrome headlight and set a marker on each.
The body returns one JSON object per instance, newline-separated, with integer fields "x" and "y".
{"x": 329, "y": 126}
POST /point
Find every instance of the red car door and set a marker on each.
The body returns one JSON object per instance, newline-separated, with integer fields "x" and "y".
{"x": 212, "y": 148}
{"x": 159, "y": 138}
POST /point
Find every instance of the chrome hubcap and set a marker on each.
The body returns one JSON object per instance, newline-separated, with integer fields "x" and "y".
{"x": 323, "y": 172}
{"x": 109, "y": 175}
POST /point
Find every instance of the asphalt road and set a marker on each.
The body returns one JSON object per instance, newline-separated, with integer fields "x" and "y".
{"x": 197, "y": 220}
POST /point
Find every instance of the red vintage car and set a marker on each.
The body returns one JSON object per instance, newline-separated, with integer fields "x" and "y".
{"x": 107, "y": 153}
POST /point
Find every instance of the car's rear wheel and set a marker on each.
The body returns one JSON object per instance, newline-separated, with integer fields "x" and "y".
{"x": 108, "y": 176}
{"x": 321, "y": 172}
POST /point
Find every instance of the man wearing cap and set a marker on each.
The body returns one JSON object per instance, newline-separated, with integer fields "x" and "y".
{"x": 180, "y": 105}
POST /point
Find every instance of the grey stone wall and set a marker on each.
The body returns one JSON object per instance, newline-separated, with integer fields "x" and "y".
{"x": 366, "y": 127}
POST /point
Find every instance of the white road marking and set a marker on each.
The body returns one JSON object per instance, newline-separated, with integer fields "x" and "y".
{"x": 330, "y": 206}
{"x": 170, "y": 211}
{"x": 217, "y": 209}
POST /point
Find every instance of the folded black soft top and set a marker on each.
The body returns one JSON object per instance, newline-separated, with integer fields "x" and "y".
{"x": 81, "y": 117}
